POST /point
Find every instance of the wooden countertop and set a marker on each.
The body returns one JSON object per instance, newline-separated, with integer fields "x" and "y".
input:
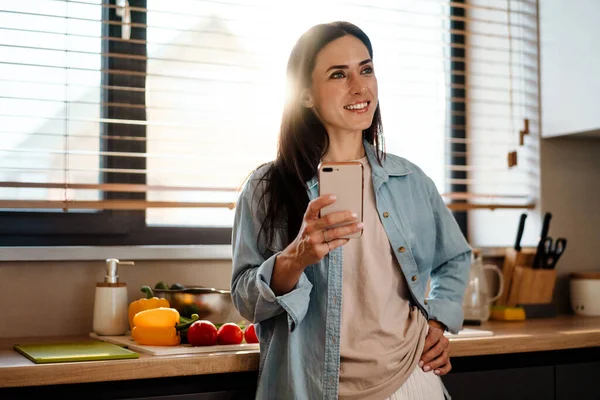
{"x": 564, "y": 332}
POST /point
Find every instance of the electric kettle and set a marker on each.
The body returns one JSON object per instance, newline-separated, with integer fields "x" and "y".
{"x": 477, "y": 299}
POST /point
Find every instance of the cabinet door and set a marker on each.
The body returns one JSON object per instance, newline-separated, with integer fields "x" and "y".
{"x": 578, "y": 381}
{"x": 532, "y": 383}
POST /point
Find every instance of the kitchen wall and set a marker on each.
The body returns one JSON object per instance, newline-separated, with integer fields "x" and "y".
{"x": 570, "y": 187}
{"x": 57, "y": 298}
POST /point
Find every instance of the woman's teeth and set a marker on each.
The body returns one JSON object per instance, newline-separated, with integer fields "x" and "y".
{"x": 358, "y": 106}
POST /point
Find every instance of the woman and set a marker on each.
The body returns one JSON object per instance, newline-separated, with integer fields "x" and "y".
{"x": 339, "y": 318}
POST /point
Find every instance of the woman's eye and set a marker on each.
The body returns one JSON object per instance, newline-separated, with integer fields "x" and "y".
{"x": 337, "y": 75}
{"x": 368, "y": 70}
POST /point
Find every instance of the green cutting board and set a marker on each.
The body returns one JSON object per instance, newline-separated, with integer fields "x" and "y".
{"x": 42, "y": 353}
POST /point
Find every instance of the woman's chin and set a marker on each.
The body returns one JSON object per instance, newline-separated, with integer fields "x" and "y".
{"x": 364, "y": 125}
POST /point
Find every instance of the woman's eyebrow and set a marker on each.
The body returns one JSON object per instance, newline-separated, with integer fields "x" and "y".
{"x": 363, "y": 62}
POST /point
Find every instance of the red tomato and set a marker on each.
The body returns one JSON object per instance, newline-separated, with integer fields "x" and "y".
{"x": 202, "y": 333}
{"x": 250, "y": 334}
{"x": 230, "y": 333}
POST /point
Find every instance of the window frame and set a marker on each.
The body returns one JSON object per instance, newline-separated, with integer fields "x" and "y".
{"x": 458, "y": 123}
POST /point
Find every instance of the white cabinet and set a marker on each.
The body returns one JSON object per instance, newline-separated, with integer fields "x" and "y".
{"x": 570, "y": 67}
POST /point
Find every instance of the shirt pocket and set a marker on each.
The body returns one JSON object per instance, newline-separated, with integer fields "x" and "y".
{"x": 422, "y": 235}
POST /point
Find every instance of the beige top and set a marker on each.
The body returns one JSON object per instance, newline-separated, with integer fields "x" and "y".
{"x": 382, "y": 336}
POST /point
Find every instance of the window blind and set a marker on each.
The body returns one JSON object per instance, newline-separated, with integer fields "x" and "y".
{"x": 502, "y": 143}
{"x": 166, "y": 106}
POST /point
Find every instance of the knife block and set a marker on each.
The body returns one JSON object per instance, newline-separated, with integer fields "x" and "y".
{"x": 531, "y": 286}
{"x": 512, "y": 259}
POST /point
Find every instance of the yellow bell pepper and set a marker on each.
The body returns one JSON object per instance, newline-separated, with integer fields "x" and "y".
{"x": 163, "y": 317}
{"x": 155, "y": 336}
{"x": 156, "y": 327}
{"x": 145, "y": 304}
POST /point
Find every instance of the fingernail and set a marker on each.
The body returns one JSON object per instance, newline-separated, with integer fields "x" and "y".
{"x": 359, "y": 225}
{"x": 332, "y": 197}
{"x": 437, "y": 372}
{"x": 354, "y": 215}
{"x": 427, "y": 368}
{"x": 421, "y": 363}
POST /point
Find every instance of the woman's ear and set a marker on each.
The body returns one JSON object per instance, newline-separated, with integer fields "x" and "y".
{"x": 307, "y": 99}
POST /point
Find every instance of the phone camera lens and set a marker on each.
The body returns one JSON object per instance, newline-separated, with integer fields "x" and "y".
{"x": 327, "y": 169}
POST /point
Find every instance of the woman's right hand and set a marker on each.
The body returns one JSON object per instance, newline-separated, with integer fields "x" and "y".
{"x": 316, "y": 237}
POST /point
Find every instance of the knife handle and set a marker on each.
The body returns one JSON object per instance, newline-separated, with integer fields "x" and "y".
{"x": 536, "y": 257}
{"x": 545, "y": 226}
{"x": 520, "y": 231}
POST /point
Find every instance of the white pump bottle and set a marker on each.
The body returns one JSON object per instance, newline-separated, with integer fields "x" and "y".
{"x": 110, "y": 303}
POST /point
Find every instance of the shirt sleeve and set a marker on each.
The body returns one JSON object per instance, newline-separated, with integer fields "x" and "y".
{"x": 450, "y": 267}
{"x": 251, "y": 276}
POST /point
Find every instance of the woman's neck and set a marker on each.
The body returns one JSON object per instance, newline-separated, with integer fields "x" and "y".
{"x": 345, "y": 148}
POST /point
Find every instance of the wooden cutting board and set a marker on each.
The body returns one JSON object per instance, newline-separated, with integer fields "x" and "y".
{"x": 42, "y": 353}
{"x": 128, "y": 342}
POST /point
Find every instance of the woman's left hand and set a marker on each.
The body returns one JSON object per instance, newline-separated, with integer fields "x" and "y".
{"x": 436, "y": 354}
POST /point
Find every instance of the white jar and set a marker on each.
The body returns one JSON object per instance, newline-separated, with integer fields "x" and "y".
{"x": 585, "y": 293}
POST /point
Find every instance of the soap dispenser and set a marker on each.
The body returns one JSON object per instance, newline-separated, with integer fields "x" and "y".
{"x": 110, "y": 303}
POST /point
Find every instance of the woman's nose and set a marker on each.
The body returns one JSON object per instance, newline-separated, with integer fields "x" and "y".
{"x": 358, "y": 86}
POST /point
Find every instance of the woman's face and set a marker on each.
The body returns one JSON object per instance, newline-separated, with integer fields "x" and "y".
{"x": 343, "y": 94}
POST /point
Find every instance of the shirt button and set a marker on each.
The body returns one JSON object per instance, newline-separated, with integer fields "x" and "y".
{"x": 401, "y": 249}
{"x": 414, "y": 278}
{"x": 425, "y": 301}
{"x": 333, "y": 300}
{"x": 386, "y": 214}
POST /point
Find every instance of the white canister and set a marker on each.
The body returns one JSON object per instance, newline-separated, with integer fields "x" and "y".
{"x": 110, "y": 309}
{"x": 585, "y": 293}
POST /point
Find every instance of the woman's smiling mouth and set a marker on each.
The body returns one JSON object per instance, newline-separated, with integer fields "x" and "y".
{"x": 358, "y": 107}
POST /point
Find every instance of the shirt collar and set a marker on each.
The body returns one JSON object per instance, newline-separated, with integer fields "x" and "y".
{"x": 392, "y": 166}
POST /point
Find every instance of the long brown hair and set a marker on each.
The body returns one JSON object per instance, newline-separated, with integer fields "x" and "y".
{"x": 303, "y": 140}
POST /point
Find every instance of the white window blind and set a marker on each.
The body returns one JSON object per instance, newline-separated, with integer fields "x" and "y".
{"x": 180, "y": 100}
{"x": 502, "y": 118}
{"x": 50, "y": 78}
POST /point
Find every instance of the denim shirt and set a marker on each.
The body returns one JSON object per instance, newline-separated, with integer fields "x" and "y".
{"x": 299, "y": 331}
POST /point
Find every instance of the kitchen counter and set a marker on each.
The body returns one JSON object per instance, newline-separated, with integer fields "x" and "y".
{"x": 563, "y": 332}
{"x": 560, "y": 333}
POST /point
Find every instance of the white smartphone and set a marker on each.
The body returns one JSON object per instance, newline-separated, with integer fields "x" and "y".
{"x": 345, "y": 180}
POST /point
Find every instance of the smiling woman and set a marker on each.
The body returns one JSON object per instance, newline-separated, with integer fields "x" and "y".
{"x": 341, "y": 316}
